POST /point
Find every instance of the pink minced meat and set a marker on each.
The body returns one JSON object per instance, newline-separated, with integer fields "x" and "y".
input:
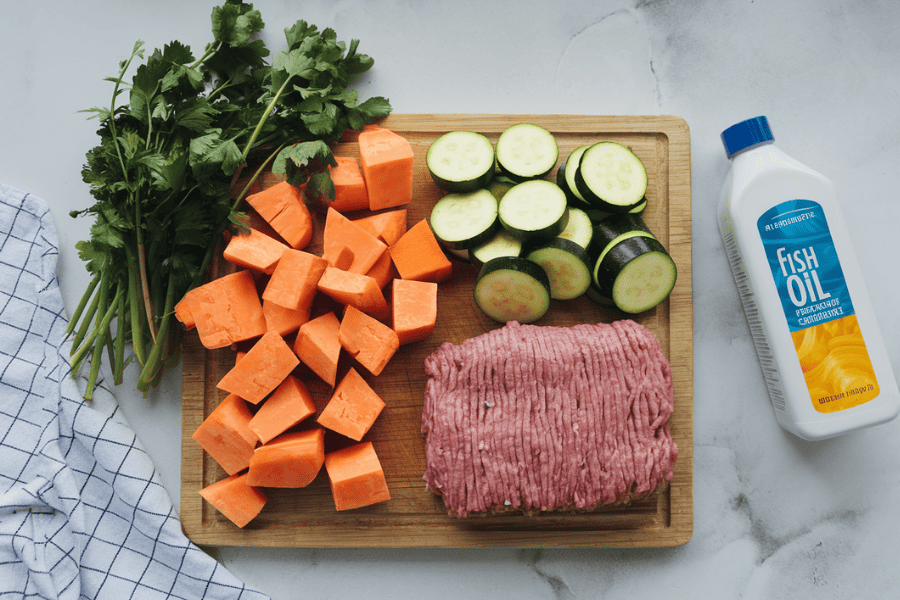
{"x": 540, "y": 418}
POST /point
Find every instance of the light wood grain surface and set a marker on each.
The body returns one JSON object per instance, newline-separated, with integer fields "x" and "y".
{"x": 414, "y": 517}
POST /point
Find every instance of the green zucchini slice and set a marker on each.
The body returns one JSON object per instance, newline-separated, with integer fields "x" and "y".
{"x": 526, "y": 151}
{"x": 565, "y": 176}
{"x": 579, "y": 227}
{"x": 534, "y": 208}
{"x": 511, "y": 288}
{"x": 611, "y": 177}
{"x": 613, "y": 229}
{"x": 461, "y": 161}
{"x": 630, "y": 266}
{"x": 637, "y": 273}
{"x": 567, "y": 265}
{"x": 502, "y": 244}
{"x": 465, "y": 220}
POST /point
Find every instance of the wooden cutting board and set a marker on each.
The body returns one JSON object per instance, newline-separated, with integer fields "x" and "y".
{"x": 414, "y": 517}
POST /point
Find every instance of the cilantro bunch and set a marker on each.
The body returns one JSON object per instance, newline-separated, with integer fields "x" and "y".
{"x": 163, "y": 173}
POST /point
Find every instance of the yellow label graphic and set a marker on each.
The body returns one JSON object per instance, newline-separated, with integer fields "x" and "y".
{"x": 836, "y": 364}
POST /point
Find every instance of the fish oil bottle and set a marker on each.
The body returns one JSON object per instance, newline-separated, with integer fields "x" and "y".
{"x": 809, "y": 312}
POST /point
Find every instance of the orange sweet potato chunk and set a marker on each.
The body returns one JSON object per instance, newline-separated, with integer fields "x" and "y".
{"x": 284, "y": 320}
{"x": 388, "y": 226}
{"x": 414, "y": 309}
{"x": 226, "y": 310}
{"x": 356, "y": 476}
{"x": 387, "y": 166}
{"x": 349, "y": 186}
{"x": 353, "y": 408}
{"x": 283, "y": 208}
{"x": 292, "y": 460}
{"x": 354, "y": 289}
{"x": 383, "y": 271}
{"x": 348, "y": 246}
{"x": 319, "y": 347}
{"x": 235, "y": 498}
{"x": 418, "y": 255}
{"x": 293, "y": 283}
{"x": 290, "y": 404}
{"x": 261, "y": 370}
{"x": 254, "y": 250}
{"x": 225, "y": 434}
{"x": 366, "y": 339}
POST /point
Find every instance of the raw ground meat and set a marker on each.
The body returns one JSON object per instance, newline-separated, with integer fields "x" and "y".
{"x": 540, "y": 418}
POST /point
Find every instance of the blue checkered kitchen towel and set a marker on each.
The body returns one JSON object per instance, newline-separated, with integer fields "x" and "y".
{"x": 82, "y": 511}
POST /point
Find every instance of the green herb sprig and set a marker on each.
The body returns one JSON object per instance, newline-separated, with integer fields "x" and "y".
{"x": 163, "y": 172}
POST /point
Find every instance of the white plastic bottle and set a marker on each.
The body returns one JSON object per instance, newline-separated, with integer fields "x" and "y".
{"x": 819, "y": 345}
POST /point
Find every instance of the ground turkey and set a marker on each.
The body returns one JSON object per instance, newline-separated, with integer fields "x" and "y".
{"x": 539, "y": 418}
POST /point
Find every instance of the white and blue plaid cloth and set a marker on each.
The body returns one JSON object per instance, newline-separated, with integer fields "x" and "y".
{"x": 82, "y": 511}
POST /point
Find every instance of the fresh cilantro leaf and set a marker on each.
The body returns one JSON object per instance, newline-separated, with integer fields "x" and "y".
{"x": 235, "y": 22}
{"x": 357, "y": 63}
{"x": 320, "y": 189}
{"x": 299, "y": 161}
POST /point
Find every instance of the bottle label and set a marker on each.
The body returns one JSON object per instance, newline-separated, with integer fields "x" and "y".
{"x": 817, "y": 305}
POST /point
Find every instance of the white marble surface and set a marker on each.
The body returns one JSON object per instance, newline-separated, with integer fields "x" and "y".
{"x": 775, "y": 517}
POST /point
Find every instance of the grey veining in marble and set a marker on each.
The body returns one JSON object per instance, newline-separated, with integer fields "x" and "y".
{"x": 775, "y": 517}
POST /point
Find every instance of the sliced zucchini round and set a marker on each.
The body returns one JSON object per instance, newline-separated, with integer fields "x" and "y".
{"x": 567, "y": 265}
{"x": 465, "y": 220}
{"x": 565, "y": 175}
{"x": 502, "y": 244}
{"x": 639, "y": 208}
{"x": 511, "y": 288}
{"x": 526, "y": 151}
{"x": 579, "y": 227}
{"x": 637, "y": 273}
{"x": 499, "y": 185}
{"x": 534, "y": 208}
{"x": 461, "y": 161}
{"x": 614, "y": 229}
{"x": 611, "y": 177}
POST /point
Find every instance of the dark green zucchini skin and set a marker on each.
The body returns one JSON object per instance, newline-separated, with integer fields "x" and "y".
{"x": 515, "y": 263}
{"x": 462, "y": 186}
{"x": 610, "y": 257}
{"x": 608, "y": 229}
{"x": 563, "y": 184}
{"x": 618, "y": 256}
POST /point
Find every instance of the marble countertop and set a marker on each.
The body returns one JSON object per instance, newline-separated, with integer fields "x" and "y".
{"x": 774, "y": 516}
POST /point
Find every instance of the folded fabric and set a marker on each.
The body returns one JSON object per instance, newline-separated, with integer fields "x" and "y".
{"x": 83, "y": 513}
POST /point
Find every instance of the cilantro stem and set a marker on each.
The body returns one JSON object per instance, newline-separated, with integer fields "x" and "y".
{"x": 264, "y": 118}
{"x": 142, "y": 270}
{"x": 154, "y": 362}
{"x": 73, "y": 322}
{"x": 118, "y": 359}
{"x": 86, "y": 322}
{"x": 134, "y": 304}
{"x": 79, "y": 355}
{"x": 112, "y": 106}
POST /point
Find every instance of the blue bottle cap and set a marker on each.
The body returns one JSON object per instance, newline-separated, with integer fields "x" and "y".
{"x": 746, "y": 134}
